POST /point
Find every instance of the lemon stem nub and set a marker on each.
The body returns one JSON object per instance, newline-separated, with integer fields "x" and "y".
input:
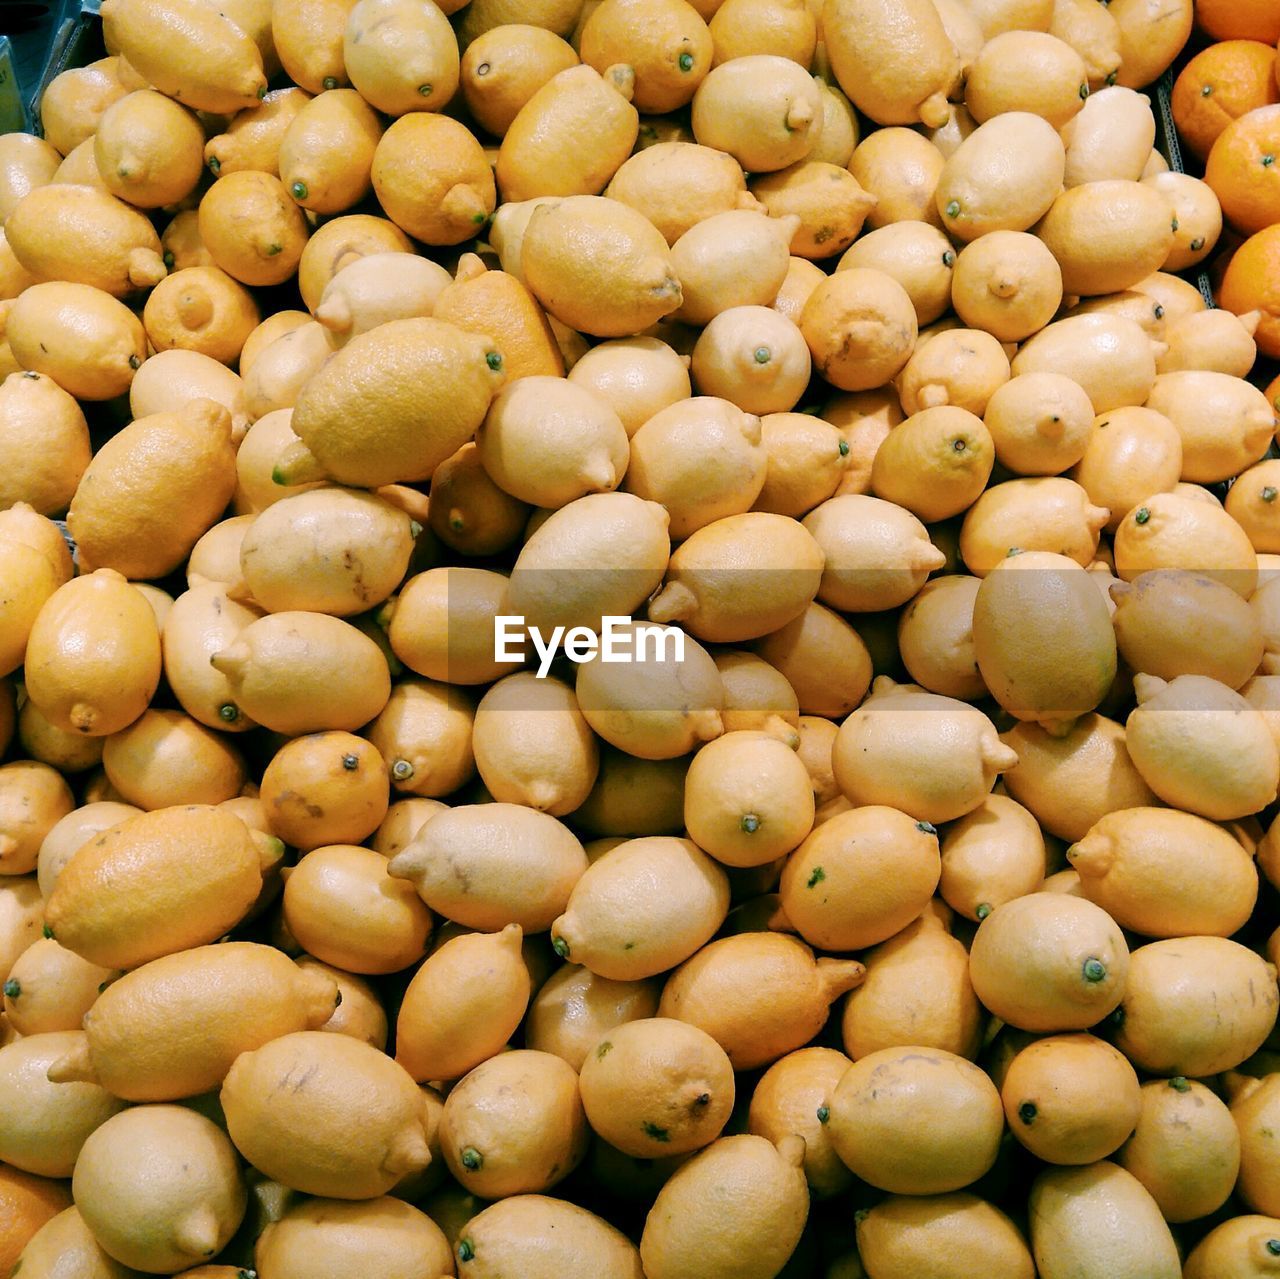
{"x": 686, "y": 62}
{"x": 466, "y": 1250}
{"x": 12, "y": 989}
{"x": 844, "y": 448}
{"x": 329, "y": 82}
{"x": 1094, "y": 970}
{"x": 1142, "y": 515}
{"x": 824, "y": 1113}
{"x": 493, "y": 360}
{"x": 472, "y": 1159}
{"x": 1179, "y": 1084}
{"x": 47, "y": 933}
{"x": 426, "y": 90}
{"x": 1273, "y": 1247}
{"x": 168, "y": 261}
{"x": 1027, "y": 1112}
{"x": 350, "y": 763}
{"x": 927, "y": 828}
{"x": 561, "y": 947}
{"x": 953, "y": 209}
{"x": 1268, "y": 494}
{"x": 982, "y": 910}
{"x": 402, "y": 770}
{"x": 299, "y": 190}
{"x": 134, "y": 362}
{"x": 214, "y": 165}
{"x": 228, "y": 712}
{"x": 763, "y": 355}
{"x": 750, "y": 823}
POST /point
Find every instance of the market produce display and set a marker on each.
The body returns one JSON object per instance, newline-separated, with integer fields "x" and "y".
{"x": 640, "y": 639}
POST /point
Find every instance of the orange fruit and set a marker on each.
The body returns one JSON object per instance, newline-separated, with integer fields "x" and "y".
{"x": 26, "y": 1203}
{"x": 1219, "y": 85}
{"x": 1244, "y": 170}
{"x": 1273, "y": 391}
{"x": 1239, "y": 19}
{"x": 1252, "y": 283}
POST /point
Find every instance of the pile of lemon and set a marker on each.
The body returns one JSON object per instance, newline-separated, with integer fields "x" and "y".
{"x": 909, "y": 918}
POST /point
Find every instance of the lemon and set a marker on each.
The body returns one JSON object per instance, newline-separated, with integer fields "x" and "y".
{"x": 26, "y": 161}
{"x": 1045, "y": 514}
{"x": 980, "y": 190}
{"x": 877, "y": 555}
{"x": 1052, "y": 680}
{"x": 93, "y": 657}
{"x": 860, "y": 326}
{"x": 991, "y": 855}
{"x": 957, "y": 1235}
{"x": 167, "y": 476}
{"x": 81, "y": 337}
{"x": 463, "y": 1005}
{"x": 201, "y": 310}
{"x": 1074, "y": 1216}
{"x": 738, "y": 258}
{"x": 915, "y": 254}
{"x": 362, "y": 418}
{"x": 400, "y": 57}
{"x": 514, "y": 1125}
{"x": 1027, "y": 71}
{"x": 1190, "y": 773}
{"x": 165, "y": 758}
{"x": 935, "y": 638}
{"x": 618, "y": 932}
{"x": 762, "y": 109}
{"x": 453, "y": 879}
{"x": 327, "y": 152}
{"x": 764, "y": 1216}
{"x": 575, "y": 1008}
{"x": 329, "y": 550}
{"x": 149, "y": 150}
{"x": 752, "y": 598}
{"x": 637, "y": 377}
{"x": 544, "y": 1238}
{"x": 730, "y": 989}
{"x": 666, "y": 44}
{"x": 311, "y": 1139}
{"x": 1007, "y": 284}
{"x": 598, "y": 266}
{"x": 84, "y": 235}
{"x": 547, "y": 441}
{"x": 841, "y": 899}
{"x": 806, "y": 460}
{"x": 541, "y": 152}
{"x": 192, "y": 53}
{"x": 324, "y": 1237}
{"x": 1213, "y": 1024}
{"x": 503, "y": 68}
{"x": 252, "y": 229}
{"x": 1236, "y": 1246}
{"x": 896, "y": 64}
{"x": 754, "y": 357}
{"x": 390, "y": 932}
{"x": 1179, "y": 1116}
{"x": 910, "y": 1092}
{"x": 788, "y": 1099}
{"x": 431, "y": 177}
{"x": 742, "y": 27}
{"x": 252, "y": 138}
{"x": 533, "y": 746}
{"x": 49, "y": 988}
{"x": 244, "y": 995}
{"x": 901, "y": 170}
{"x": 660, "y": 707}
{"x": 935, "y": 464}
{"x": 548, "y": 586}
{"x": 1243, "y": 421}
{"x": 1049, "y": 962}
